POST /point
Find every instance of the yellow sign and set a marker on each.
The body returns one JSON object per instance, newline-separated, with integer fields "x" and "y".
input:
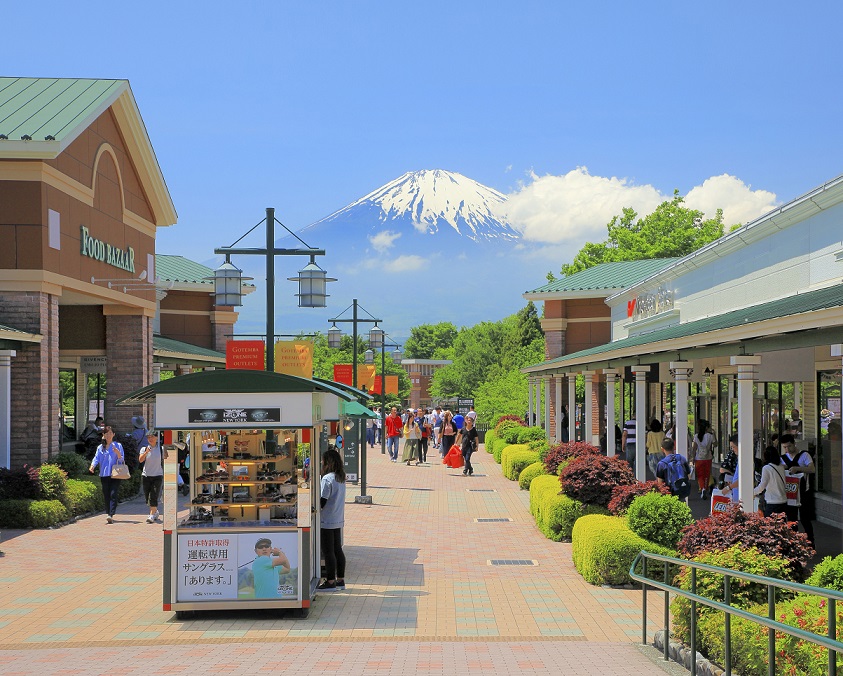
{"x": 392, "y": 384}
{"x": 294, "y": 357}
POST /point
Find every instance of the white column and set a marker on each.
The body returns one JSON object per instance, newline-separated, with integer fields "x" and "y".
{"x": 547, "y": 407}
{"x": 747, "y": 370}
{"x": 682, "y": 371}
{"x": 6, "y": 408}
{"x": 156, "y": 372}
{"x": 640, "y": 421}
{"x": 588, "y": 433}
{"x": 572, "y": 406}
{"x": 538, "y": 402}
{"x": 557, "y": 380}
{"x": 185, "y": 369}
{"x": 529, "y": 401}
{"x": 611, "y": 379}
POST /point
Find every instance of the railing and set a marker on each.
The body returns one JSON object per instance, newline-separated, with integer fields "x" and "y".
{"x": 830, "y": 642}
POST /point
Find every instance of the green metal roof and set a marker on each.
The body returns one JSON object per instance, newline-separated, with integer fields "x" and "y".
{"x": 39, "y": 108}
{"x": 360, "y": 394}
{"x": 800, "y": 303}
{"x": 357, "y": 410}
{"x": 163, "y": 346}
{"x": 180, "y": 269}
{"x": 233, "y": 381}
{"x": 606, "y": 276}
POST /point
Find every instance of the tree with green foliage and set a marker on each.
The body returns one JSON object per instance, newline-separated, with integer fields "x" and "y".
{"x": 672, "y": 230}
{"x": 429, "y": 341}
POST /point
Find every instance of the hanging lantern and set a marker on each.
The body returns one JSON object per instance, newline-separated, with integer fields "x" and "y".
{"x": 227, "y": 284}
{"x": 313, "y": 285}
{"x": 376, "y": 337}
{"x": 397, "y": 355}
{"x": 369, "y": 356}
{"x": 334, "y": 337}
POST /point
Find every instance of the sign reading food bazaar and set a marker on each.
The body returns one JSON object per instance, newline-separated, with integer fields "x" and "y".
{"x": 233, "y": 415}
{"x": 100, "y": 251}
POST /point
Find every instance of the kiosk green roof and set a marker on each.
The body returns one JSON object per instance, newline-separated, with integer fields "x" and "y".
{"x": 230, "y": 380}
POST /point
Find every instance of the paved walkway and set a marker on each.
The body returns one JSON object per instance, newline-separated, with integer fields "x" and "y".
{"x": 422, "y": 596}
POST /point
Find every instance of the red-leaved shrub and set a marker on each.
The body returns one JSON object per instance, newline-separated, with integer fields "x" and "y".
{"x": 772, "y": 536}
{"x": 509, "y": 418}
{"x": 622, "y": 496}
{"x": 565, "y": 451}
{"x": 591, "y": 478}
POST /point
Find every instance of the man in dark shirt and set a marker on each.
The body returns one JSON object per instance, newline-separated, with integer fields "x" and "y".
{"x": 467, "y": 439}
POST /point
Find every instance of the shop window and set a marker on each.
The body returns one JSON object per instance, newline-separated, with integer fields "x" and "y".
{"x": 96, "y": 395}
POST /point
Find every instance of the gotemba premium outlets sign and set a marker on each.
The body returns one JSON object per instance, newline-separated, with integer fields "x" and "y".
{"x": 101, "y": 251}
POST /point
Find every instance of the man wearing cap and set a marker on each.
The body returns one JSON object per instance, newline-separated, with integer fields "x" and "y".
{"x": 269, "y": 563}
{"x": 153, "y": 472}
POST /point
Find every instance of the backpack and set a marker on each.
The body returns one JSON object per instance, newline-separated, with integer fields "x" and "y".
{"x": 677, "y": 477}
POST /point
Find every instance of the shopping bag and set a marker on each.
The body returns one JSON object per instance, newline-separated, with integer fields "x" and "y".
{"x": 454, "y": 458}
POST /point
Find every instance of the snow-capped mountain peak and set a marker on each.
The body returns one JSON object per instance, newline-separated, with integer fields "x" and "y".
{"x": 431, "y": 200}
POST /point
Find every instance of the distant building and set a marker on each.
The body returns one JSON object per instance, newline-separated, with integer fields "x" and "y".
{"x": 421, "y": 373}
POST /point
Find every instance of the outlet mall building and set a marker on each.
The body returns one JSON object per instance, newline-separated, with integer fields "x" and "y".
{"x": 739, "y": 333}
{"x": 86, "y": 306}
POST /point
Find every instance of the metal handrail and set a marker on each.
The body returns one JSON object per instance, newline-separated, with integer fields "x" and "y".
{"x": 830, "y": 642}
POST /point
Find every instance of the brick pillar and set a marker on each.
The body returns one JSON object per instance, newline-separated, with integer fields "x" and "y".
{"x": 34, "y": 433}
{"x": 128, "y": 347}
{"x": 222, "y": 324}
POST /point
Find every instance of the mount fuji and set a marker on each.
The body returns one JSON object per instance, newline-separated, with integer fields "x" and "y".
{"x": 427, "y": 247}
{"x": 434, "y": 202}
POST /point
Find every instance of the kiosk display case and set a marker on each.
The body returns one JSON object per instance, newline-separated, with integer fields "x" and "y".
{"x": 251, "y": 535}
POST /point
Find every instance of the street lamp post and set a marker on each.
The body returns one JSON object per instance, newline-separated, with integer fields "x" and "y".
{"x": 384, "y": 345}
{"x": 334, "y": 336}
{"x": 312, "y": 281}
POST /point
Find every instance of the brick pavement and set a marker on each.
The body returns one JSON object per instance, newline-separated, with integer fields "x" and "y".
{"x": 421, "y": 595}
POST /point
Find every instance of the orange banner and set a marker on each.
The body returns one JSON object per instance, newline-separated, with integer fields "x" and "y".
{"x": 392, "y": 384}
{"x": 294, "y": 357}
{"x": 365, "y": 377}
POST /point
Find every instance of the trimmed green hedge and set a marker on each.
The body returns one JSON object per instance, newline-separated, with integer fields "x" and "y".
{"x": 603, "y": 548}
{"x": 32, "y": 513}
{"x": 490, "y": 439}
{"x": 555, "y": 513}
{"x": 497, "y": 448}
{"x": 528, "y": 434}
{"x": 83, "y": 497}
{"x": 515, "y": 458}
{"x": 529, "y": 473}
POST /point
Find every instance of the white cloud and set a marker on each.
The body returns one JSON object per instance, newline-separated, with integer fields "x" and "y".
{"x": 402, "y": 264}
{"x": 575, "y": 207}
{"x": 384, "y": 240}
{"x": 739, "y": 202}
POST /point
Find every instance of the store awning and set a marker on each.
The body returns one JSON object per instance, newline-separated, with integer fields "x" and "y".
{"x": 232, "y": 381}
{"x": 168, "y": 349}
{"x": 354, "y": 409}
{"x": 360, "y": 394}
{"x": 801, "y": 320}
{"x": 13, "y": 339}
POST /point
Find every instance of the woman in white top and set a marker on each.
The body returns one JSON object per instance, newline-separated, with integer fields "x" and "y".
{"x": 772, "y": 483}
{"x": 412, "y": 439}
{"x": 702, "y": 452}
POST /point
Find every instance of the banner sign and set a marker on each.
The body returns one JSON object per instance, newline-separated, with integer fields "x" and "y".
{"x": 295, "y": 358}
{"x": 232, "y": 566}
{"x": 342, "y": 373}
{"x": 245, "y": 354}
{"x": 365, "y": 377}
{"x": 464, "y": 405}
{"x": 792, "y": 488}
{"x": 392, "y": 385}
{"x": 234, "y": 415}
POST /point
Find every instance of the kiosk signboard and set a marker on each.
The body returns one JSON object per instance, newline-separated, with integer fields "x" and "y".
{"x": 351, "y": 448}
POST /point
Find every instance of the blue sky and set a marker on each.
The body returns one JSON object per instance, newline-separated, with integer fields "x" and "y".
{"x": 307, "y": 106}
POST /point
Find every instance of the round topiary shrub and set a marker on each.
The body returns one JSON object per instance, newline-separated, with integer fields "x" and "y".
{"x": 565, "y": 451}
{"x": 591, "y": 478}
{"x": 659, "y": 518}
{"x": 529, "y": 473}
{"x": 772, "y": 536}
{"x": 83, "y": 497}
{"x": 622, "y": 496}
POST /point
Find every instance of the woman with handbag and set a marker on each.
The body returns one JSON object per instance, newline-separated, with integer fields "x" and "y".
{"x": 702, "y": 451}
{"x": 448, "y": 433}
{"x": 110, "y": 459}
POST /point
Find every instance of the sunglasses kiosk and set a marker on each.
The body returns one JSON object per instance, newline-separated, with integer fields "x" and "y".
{"x": 251, "y": 536}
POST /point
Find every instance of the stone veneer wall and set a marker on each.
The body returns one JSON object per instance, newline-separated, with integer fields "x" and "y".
{"x": 128, "y": 348}
{"x": 222, "y": 334}
{"x": 35, "y": 376}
